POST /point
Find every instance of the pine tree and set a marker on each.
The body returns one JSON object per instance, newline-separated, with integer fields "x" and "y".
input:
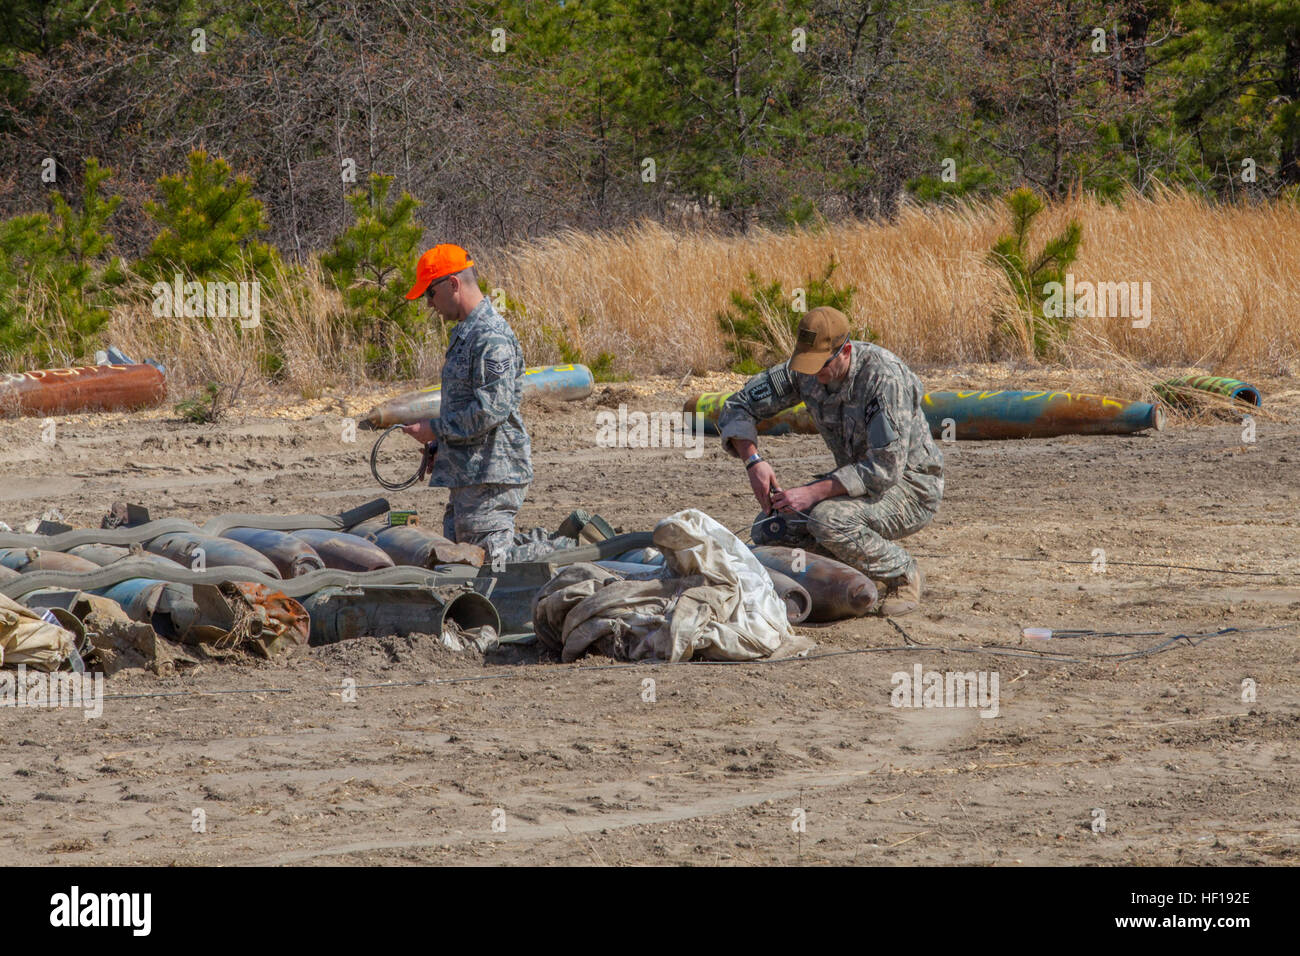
{"x": 1028, "y": 274}
{"x": 57, "y": 278}
{"x": 763, "y": 327}
{"x": 1240, "y": 66}
{"x": 209, "y": 222}
{"x": 373, "y": 265}
{"x": 83, "y": 275}
{"x": 724, "y": 95}
{"x": 26, "y": 250}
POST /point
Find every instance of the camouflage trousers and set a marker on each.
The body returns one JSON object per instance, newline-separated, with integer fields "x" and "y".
{"x": 485, "y": 515}
{"x": 860, "y": 531}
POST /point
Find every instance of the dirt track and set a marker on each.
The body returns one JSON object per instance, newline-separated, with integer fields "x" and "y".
{"x": 586, "y": 771}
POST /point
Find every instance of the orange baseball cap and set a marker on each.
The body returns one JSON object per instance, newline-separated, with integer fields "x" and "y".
{"x": 439, "y": 261}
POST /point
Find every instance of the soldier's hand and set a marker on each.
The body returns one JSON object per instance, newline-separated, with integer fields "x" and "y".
{"x": 798, "y": 500}
{"x": 420, "y": 431}
{"x": 762, "y": 478}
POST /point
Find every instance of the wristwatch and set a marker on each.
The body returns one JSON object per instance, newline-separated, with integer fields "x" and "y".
{"x": 752, "y": 460}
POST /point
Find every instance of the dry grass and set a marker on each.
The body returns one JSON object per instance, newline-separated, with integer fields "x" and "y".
{"x": 302, "y": 319}
{"x": 194, "y": 350}
{"x": 649, "y": 294}
{"x": 307, "y": 327}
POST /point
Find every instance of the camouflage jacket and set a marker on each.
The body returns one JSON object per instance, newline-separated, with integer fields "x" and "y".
{"x": 872, "y": 421}
{"x": 481, "y": 434}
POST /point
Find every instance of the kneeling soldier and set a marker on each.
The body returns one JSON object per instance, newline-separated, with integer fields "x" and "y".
{"x": 888, "y": 478}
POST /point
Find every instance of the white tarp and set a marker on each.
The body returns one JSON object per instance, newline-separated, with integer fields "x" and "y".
{"x": 714, "y": 601}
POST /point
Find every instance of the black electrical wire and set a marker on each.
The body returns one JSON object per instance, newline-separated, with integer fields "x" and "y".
{"x": 993, "y": 650}
{"x": 374, "y": 464}
{"x": 1131, "y": 564}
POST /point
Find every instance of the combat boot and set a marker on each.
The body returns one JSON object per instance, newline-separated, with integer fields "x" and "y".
{"x": 901, "y": 595}
{"x": 585, "y": 527}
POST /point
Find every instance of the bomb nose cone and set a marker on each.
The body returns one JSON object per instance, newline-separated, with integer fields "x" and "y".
{"x": 306, "y": 563}
{"x": 863, "y": 596}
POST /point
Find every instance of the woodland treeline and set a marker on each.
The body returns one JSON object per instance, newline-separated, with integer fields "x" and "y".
{"x": 508, "y": 121}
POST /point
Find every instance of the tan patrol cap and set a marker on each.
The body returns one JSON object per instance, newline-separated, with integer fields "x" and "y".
{"x": 822, "y": 332}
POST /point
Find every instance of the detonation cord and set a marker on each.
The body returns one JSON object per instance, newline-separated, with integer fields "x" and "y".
{"x": 202, "y": 693}
{"x": 993, "y": 650}
{"x": 374, "y": 464}
{"x": 1048, "y": 558}
{"x": 1002, "y": 650}
{"x": 1130, "y": 564}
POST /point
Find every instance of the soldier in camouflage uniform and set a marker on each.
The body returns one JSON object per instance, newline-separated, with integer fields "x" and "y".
{"x": 483, "y": 451}
{"x": 888, "y": 477}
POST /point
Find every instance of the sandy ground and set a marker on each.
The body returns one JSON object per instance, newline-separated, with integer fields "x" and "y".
{"x": 511, "y": 760}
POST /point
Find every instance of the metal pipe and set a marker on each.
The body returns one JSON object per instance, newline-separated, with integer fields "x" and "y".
{"x": 981, "y": 415}
{"x": 999, "y": 414}
{"x": 290, "y": 554}
{"x": 561, "y": 382}
{"x": 340, "y": 614}
{"x": 1172, "y": 390}
{"x": 82, "y": 388}
{"x": 709, "y": 406}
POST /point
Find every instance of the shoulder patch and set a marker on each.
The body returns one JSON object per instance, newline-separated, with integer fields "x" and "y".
{"x": 498, "y": 367}
{"x": 880, "y": 431}
{"x": 782, "y": 384}
{"x": 769, "y": 384}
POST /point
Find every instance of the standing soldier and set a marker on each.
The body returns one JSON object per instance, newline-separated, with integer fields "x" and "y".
{"x": 482, "y": 450}
{"x": 888, "y": 476}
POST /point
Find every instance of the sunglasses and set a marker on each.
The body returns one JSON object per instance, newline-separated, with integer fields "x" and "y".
{"x": 834, "y": 356}
{"x": 429, "y": 291}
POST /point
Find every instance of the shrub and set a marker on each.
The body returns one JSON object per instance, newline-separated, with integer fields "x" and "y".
{"x": 1028, "y": 274}
{"x": 759, "y": 329}
{"x": 210, "y": 221}
{"x": 373, "y": 265}
{"x": 57, "y": 278}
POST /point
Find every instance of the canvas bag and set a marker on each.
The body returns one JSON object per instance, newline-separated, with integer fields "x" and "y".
{"x": 27, "y": 638}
